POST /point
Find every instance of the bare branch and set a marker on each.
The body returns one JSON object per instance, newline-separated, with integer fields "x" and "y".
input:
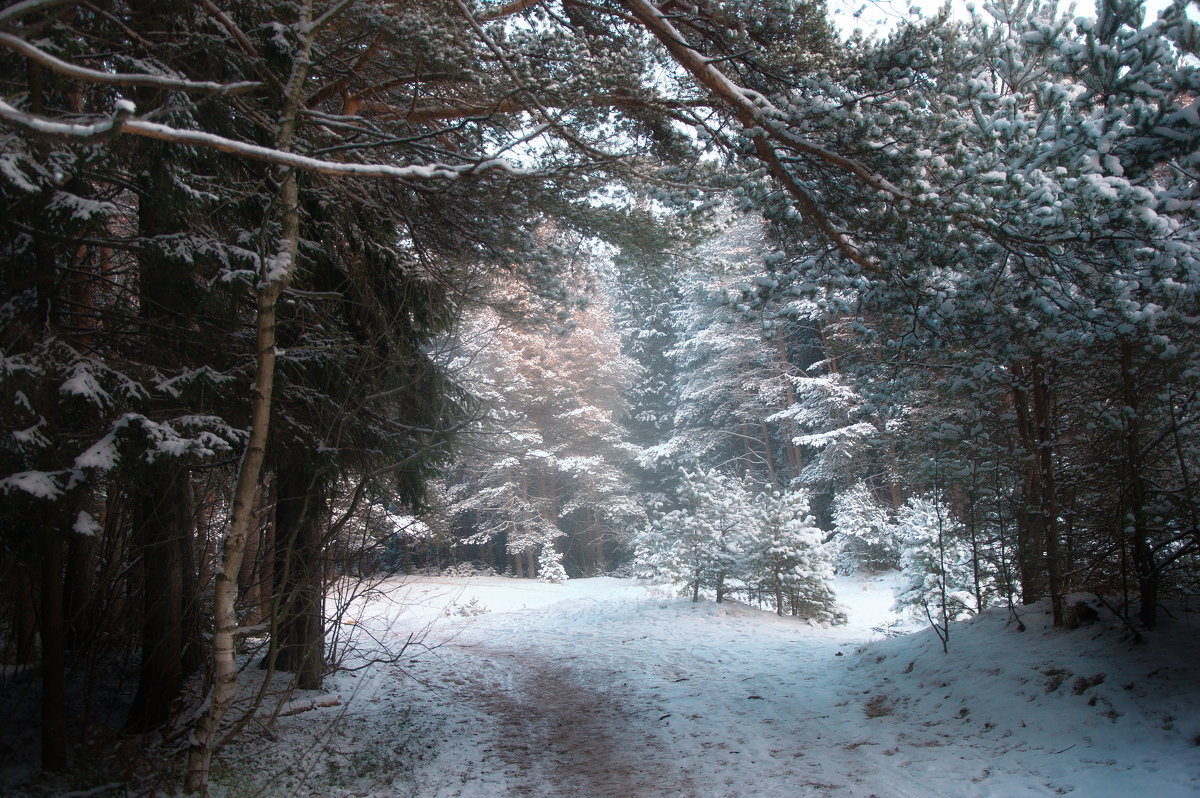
{"x": 19, "y": 10}
{"x": 243, "y": 42}
{"x": 116, "y": 78}
{"x": 120, "y": 123}
{"x": 758, "y": 116}
{"x": 77, "y": 130}
{"x": 507, "y": 10}
{"x": 515, "y": 105}
{"x": 329, "y": 16}
{"x": 332, "y": 88}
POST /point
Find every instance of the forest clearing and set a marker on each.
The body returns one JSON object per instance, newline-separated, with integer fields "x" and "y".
{"x": 672, "y": 324}
{"x": 608, "y": 688}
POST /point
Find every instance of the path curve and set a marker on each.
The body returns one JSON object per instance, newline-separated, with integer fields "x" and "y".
{"x": 564, "y": 736}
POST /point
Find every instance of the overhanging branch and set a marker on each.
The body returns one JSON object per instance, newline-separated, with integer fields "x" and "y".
{"x": 122, "y": 123}
{"x": 19, "y": 45}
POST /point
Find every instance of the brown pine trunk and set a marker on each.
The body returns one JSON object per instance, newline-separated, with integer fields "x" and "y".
{"x": 271, "y": 284}
{"x": 1039, "y": 558}
{"x": 791, "y": 451}
{"x": 80, "y": 589}
{"x": 54, "y": 681}
{"x": 25, "y": 621}
{"x": 194, "y": 648}
{"x": 162, "y": 529}
{"x": 251, "y": 584}
{"x": 1043, "y": 412}
{"x": 298, "y": 631}
{"x": 1144, "y": 565}
{"x": 1031, "y": 529}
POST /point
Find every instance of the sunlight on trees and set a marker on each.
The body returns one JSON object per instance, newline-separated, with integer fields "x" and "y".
{"x": 298, "y": 296}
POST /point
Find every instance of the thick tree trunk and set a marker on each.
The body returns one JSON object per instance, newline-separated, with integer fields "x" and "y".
{"x": 1038, "y": 555}
{"x": 1144, "y": 565}
{"x": 599, "y": 554}
{"x": 298, "y": 631}
{"x": 25, "y": 620}
{"x": 194, "y": 648}
{"x": 162, "y": 527}
{"x": 1031, "y": 526}
{"x": 274, "y": 275}
{"x": 1043, "y": 414}
{"x": 253, "y": 584}
{"x": 54, "y": 681}
{"x": 80, "y": 590}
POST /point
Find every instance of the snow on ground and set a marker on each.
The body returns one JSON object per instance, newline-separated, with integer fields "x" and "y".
{"x": 603, "y": 687}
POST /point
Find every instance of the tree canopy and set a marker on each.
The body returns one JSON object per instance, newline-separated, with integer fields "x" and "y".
{"x": 574, "y": 280}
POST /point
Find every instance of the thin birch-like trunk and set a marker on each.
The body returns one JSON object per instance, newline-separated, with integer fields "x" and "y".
{"x": 273, "y": 277}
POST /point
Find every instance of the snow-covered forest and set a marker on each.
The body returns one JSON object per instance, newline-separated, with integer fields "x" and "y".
{"x": 705, "y": 307}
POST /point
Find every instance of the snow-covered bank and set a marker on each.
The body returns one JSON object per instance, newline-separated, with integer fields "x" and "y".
{"x": 604, "y": 687}
{"x": 1088, "y": 710}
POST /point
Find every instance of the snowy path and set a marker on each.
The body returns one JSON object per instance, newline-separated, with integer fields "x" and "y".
{"x": 604, "y": 689}
{"x": 564, "y": 732}
{"x": 625, "y": 695}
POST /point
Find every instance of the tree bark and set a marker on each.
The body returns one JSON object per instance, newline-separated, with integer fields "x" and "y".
{"x": 54, "y": 681}
{"x": 25, "y": 621}
{"x": 1144, "y": 565}
{"x": 253, "y": 584}
{"x": 1043, "y": 413}
{"x": 162, "y": 529}
{"x": 80, "y": 588}
{"x": 1031, "y": 530}
{"x": 298, "y": 629}
{"x": 274, "y": 275}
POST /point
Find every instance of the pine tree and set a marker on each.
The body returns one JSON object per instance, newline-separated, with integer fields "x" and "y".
{"x": 788, "y": 561}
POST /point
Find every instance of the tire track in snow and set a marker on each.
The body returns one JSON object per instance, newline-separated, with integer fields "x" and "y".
{"x": 564, "y": 737}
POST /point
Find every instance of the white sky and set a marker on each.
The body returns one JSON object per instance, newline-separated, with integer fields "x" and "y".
{"x": 878, "y": 17}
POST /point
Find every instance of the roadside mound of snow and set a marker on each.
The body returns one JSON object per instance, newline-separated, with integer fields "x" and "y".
{"x": 1089, "y": 709}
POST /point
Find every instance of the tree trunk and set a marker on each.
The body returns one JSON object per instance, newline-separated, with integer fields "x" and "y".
{"x": 1144, "y": 565}
{"x": 194, "y": 648}
{"x": 253, "y": 585}
{"x": 80, "y": 588}
{"x": 1031, "y": 528}
{"x": 274, "y": 275}
{"x": 1043, "y": 413}
{"x": 162, "y": 528}
{"x": 25, "y": 622}
{"x": 54, "y": 681}
{"x": 298, "y": 628}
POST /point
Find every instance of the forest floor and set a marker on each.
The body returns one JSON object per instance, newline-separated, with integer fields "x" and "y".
{"x": 606, "y": 688}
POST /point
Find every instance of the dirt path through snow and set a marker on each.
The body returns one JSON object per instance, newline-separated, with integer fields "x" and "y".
{"x": 644, "y": 696}
{"x": 564, "y": 737}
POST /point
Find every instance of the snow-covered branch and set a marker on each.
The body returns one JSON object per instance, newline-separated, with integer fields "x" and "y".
{"x": 17, "y": 44}
{"x": 18, "y": 10}
{"x": 506, "y": 10}
{"x": 121, "y": 123}
{"x": 759, "y": 117}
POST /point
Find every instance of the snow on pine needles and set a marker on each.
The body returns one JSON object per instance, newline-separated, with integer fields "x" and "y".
{"x": 606, "y": 687}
